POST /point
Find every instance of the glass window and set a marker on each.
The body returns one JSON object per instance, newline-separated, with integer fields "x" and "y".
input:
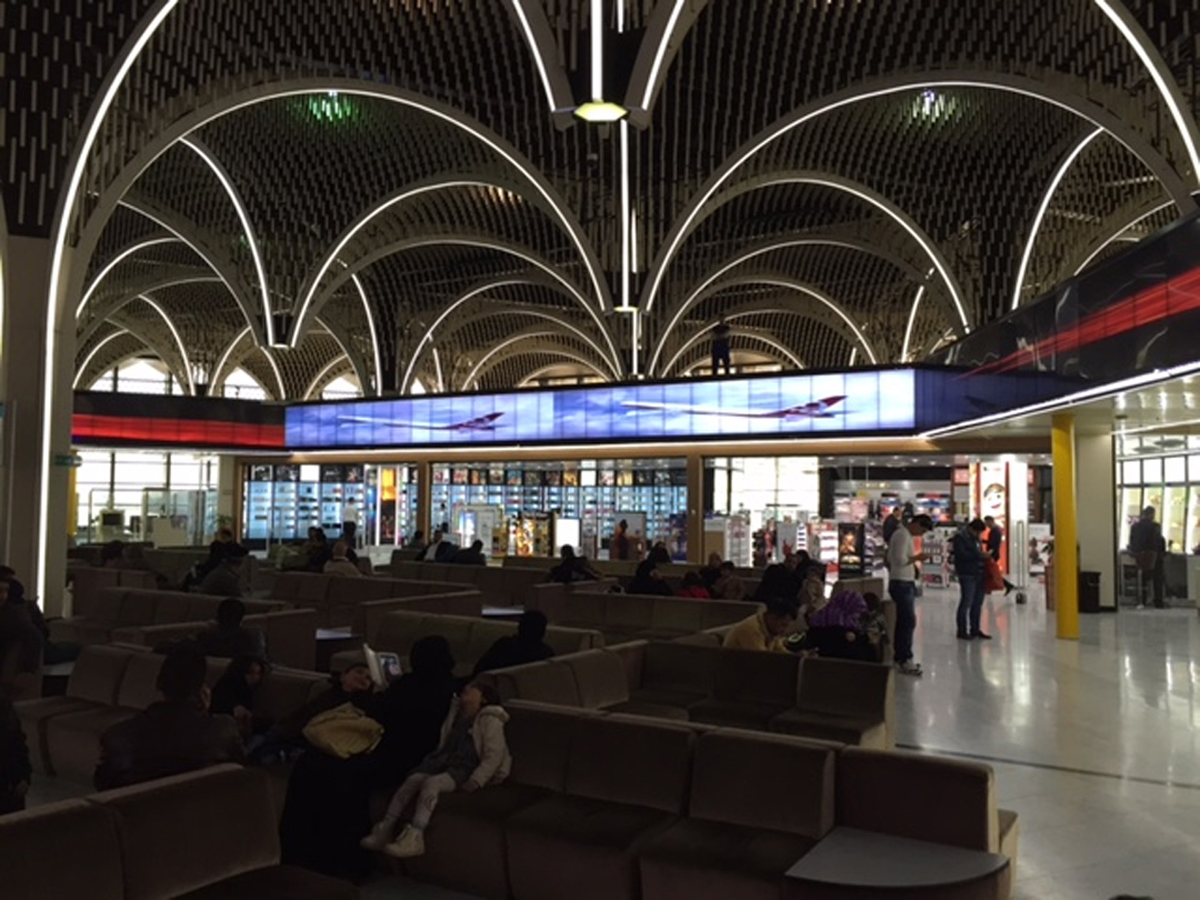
{"x": 1194, "y": 468}
{"x": 1193, "y": 520}
{"x": 1174, "y": 507}
{"x": 1152, "y": 471}
{"x": 1131, "y": 472}
{"x": 1175, "y": 469}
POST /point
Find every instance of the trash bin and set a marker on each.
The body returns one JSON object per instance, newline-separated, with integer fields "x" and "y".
{"x": 1089, "y": 592}
{"x": 1050, "y": 585}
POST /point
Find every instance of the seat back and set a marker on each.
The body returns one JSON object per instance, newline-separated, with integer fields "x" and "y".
{"x": 539, "y": 737}
{"x": 563, "y": 639}
{"x": 680, "y": 667}
{"x": 629, "y": 612}
{"x": 291, "y": 636}
{"x": 137, "y": 607}
{"x": 585, "y": 609}
{"x": 732, "y": 766}
{"x": 926, "y": 798}
{"x": 599, "y": 678}
{"x": 643, "y": 762}
{"x": 285, "y": 690}
{"x": 544, "y": 682}
{"x": 756, "y": 676}
{"x": 89, "y": 582}
{"x": 716, "y": 613}
{"x": 677, "y": 614}
{"x": 172, "y": 607}
{"x": 186, "y": 832}
{"x": 139, "y": 684}
{"x": 860, "y": 689}
{"x": 34, "y": 841}
{"x": 97, "y": 674}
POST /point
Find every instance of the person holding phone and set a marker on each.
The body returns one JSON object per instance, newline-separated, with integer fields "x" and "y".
{"x": 902, "y": 559}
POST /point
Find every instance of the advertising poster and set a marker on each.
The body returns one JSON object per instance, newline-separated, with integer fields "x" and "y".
{"x": 1041, "y": 542}
{"x": 851, "y": 538}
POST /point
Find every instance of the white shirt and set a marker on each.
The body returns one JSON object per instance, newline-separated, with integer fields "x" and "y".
{"x": 900, "y": 550}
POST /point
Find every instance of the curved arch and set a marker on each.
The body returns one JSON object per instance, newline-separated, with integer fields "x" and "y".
{"x": 362, "y": 294}
{"x": 325, "y": 373}
{"x": 162, "y": 352}
{"x": 864, "y": 193}
{"x": 312, "y": 282}
{"x": 100, "y": 345}
{"x": 1059, "y": 174}
{"x": 357, "y": 363}
{"x": 540, "y": 37}
{"x": 536, "y": 373}
{"x": 121, "y": 256}
{"x": 669, "y": 24}
{"x": 900, "y": 83}
{"x": 183, "y": 354}
{"x": 291, "y": 87}
{"x": 770, "y": 342}
{"x": 239, "y": 207}
{"x": 496, "y": 354}
{"x": 1099, "y": 247}
{"x": 712, "y": 284}
{"x": 544, "y": 266}
{"x": 699, "y": 335}
{"x": 120, "y": 301}
{"x": 218, "y": 373}
{"x": 912, "y": 321}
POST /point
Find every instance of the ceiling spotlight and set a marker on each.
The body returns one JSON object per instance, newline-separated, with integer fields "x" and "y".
{"x": 601, "y": 111}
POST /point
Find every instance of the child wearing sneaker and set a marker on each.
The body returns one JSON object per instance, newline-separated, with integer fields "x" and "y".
{"x": 471, "y": 754}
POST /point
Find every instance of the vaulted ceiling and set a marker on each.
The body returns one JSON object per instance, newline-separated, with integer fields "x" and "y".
{"x": 397, "y": 190}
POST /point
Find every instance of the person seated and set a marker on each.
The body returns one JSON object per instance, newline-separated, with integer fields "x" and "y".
{"x": 15, "y": 766}
{"x": 17, "y": 629}
{"x": 711, "y": 571}
{"x": 874, "y": 625}
{"x": 53, "y": 652}
{"x": 526, "y": 646}
{"x": 470, "y": 556}
{"x": 111, "y": 554}
{"x": 659, "y": 554}
{"x": 439, "y": 548}
{"x": 173, "y": 736}
{"x": 233, "y": 695}
{"x": 284, "y": 740}
{"x": 572, "y": 568}
{"x": 339, "y": 564}
{"x": 812, "y": 594}
{"x": 471, "y": 754}
{"x": 693, "y": 587}
{"x": 765, "y": 630}
{"x": 316, "y": 550}
{"x": 836, "y": 630}
{"x": 777, "y": 581}
{"x": 648, "y": 580}
{"x": 230, "y": 638}
{"x": 728, "y": 585}
{"x": 417, "y": 541}
{"x": 224, "y": 579}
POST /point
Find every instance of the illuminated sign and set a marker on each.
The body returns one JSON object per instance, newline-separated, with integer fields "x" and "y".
{"x": 856, "y": 402}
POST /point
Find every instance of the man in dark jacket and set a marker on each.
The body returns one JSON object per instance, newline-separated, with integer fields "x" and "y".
{"x": 995, "y": 544}
{"x": 230, "y": 638}
{"x": 969, "y": 567}
{"x": 173, "y": 736}
{"x": 526, "y": 646}
{"x": 17, "y": 628}
{"x": 1147, "y": 546}
{"x": 470, "y": 556}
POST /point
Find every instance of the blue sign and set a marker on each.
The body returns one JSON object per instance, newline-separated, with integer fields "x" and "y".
{"x": 854, "y": 402}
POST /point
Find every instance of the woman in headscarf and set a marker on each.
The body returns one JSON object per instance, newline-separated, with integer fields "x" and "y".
{"x": 836, "y": 630}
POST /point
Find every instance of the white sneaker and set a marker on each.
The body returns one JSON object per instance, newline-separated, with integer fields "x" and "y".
{"x": 381, "y": 834}
{"x": 410, "y": 843}
{"x": 910, "y": 668}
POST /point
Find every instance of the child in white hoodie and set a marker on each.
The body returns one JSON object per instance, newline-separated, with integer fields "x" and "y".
{"x": 471, "y": 754}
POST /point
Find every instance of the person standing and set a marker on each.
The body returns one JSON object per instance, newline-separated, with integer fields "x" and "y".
{"x": 995, "y": 541}
{"x": 890, "y": 524}
{"x": 720, "y": 346}
{"x": 902, "y": 558}
{"x": 1146, "y": 544}
{"x": 619, "y": 546}
{"x": 969, "y": 567}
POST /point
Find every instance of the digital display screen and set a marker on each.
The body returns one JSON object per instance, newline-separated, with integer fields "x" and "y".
{"x": 853, "y": 402}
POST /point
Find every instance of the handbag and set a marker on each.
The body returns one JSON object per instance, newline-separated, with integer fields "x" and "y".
{"x": 343, "y": 731}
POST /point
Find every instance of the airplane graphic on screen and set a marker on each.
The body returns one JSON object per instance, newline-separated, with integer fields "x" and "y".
{"x": 817, "y": 409}
{"x": 479, "y": 423}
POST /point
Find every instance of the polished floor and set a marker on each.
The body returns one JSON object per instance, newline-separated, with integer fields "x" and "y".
{"x": 1094, "y": 742}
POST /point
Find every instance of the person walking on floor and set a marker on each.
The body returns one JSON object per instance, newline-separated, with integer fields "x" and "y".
{"x": 902, "y": 559}
{"x": 969, "y": 563}
{"x": 1146, "y": 544}
{"x": 471, "y": 755}
{"x": 995, "y": 541}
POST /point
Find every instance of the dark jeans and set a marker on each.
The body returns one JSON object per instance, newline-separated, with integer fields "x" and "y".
{"x": 720, "y": 355}
{"x": 1153, "y": 584}
{"x": 904, "y": 595}
{"x": 970, "y": 604}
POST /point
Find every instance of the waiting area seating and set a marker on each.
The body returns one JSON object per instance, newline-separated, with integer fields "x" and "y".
{"x": 98, "y": 616}
{"x": 469, "y": 637}
{"x": 624, "y": 617}
{"x": 611, "y": 806}
{"x": 89, "y": 580}
{"x": 848, "y": 702}
{"x": 502, "y": 586}
{"x": 111, "y": 684}
{"x": 207, "y": 835}
{"x": 337, "y": 600}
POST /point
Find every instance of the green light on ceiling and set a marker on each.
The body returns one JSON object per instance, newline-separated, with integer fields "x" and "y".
{"x": 331, "y": 108}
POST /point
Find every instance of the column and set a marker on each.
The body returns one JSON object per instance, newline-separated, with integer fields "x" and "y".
{"x": 695, "y": 508}
{"x": 42, "y": 566}
{"x": 425, "y": 498}
{"x": 229, "y": 493}
{"x": 1097, "y": 511}
{"x": 1066, "y": 541}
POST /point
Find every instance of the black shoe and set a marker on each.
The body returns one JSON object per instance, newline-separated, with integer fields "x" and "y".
{"x": 1008, "y": 588}
{"x": 979, "y": 635}
{"x": 963, "y": 636}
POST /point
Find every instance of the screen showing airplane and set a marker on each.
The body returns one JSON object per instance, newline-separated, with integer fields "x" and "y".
{"x": 855, "y": 402}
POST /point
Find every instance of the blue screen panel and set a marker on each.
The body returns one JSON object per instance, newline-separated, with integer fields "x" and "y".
{"x": 852, "y": 402}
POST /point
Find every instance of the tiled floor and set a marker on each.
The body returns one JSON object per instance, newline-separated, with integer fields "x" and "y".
{"x": 1095, "y": 744}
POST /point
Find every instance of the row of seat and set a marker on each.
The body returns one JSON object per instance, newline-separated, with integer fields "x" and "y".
{"x": 98, "y": 615}
{"x": 619, "y": 807}
{"x": 110, "y": 684}
{"x": 469, "y": 636}
{"x": 89, "y": 580}
{"x": 337, "y": 599}
{"x": 623, "y": 617}
{"x": 850, "y": 702}
{"x": 501, "y": 586}
{"x": 208, "y": 835}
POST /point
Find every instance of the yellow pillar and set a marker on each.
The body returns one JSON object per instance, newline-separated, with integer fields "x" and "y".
{"x": 695, "y": 508}
{"x": 1066, "y": 541}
